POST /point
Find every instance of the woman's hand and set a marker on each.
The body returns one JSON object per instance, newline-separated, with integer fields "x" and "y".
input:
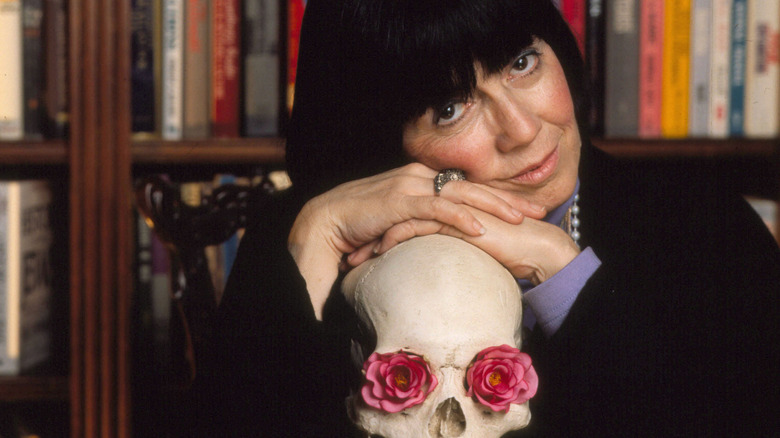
{"x": 534, "y": 250}
{"x": 353, "y": 217}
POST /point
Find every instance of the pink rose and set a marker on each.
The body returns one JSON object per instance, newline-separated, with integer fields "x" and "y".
{"x": 396, "y": 381}
{"x": 500, "y": 376}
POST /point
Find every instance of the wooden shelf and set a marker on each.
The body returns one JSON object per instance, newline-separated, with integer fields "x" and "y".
{"x": 267, "y": 150}
{"x": 33, "y": 388}
{"x": 34, "y": 152}
{"x": 689, "y": 148}
{"x": 270, "y": 150}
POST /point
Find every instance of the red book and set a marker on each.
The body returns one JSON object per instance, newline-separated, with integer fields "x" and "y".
{"x": 295, "y": 10}
{"x": 226, "y": 68}
{"x": 651, "y": 25}
{"x": 575, "y": 13}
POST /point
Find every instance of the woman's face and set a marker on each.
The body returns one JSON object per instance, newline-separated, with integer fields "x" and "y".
{"x": 517, "y": 132}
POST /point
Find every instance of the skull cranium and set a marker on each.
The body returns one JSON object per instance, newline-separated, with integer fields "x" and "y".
{"x": 444, "y": 300}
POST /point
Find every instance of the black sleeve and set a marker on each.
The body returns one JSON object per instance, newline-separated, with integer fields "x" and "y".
{"x": 271, "y": 369}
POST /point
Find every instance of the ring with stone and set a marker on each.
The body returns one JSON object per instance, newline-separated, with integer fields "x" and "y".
{"x": 446, "y": 176}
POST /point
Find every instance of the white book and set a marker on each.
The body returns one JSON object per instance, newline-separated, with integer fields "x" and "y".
{"x": 720, "y": 66}
{"x": 11, "y": 80}
{"x": 25, "y": 275}
{"x": 762, "y": 75}
{"x": 173, "y": 69}
{"x": 701, "y": 39}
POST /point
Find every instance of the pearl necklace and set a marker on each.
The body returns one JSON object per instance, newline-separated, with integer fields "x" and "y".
{"x": 571, "y": 221}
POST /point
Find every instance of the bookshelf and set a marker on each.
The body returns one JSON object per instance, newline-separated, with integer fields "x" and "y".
{"x": 96, "y": 164}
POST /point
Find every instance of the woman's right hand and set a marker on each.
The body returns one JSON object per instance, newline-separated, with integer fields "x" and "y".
{"x": 351, "y": 219}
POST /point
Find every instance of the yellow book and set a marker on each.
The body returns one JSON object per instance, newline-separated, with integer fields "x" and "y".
{"x": 676, "y": 69}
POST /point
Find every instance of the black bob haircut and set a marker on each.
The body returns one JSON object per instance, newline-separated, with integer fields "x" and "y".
{"x": 367, "y": 67}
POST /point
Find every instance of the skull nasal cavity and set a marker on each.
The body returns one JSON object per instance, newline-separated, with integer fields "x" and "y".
{"x": 448, "y": 421}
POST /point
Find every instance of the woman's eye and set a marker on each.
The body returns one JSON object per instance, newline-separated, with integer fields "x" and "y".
{"x": 449, "y": 113}
{"x": 526, "y": 63}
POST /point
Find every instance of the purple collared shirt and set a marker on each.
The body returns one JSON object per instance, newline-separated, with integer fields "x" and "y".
{"x": 548, "y": 303}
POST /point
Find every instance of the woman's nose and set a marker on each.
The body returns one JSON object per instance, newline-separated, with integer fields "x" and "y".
{"x": 517, "y": 123}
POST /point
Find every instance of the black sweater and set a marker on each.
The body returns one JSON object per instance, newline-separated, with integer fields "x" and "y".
{"x": 676, "y": 334}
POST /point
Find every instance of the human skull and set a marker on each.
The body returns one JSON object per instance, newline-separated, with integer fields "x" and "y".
{"x": 445, "y": 300}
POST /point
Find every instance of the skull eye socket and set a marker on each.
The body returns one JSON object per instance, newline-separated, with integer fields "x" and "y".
{"x": 501, "y": 376}
{"x": 396, "y": 381}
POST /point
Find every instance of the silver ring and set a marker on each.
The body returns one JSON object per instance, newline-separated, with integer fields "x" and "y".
{"x": 446, "y": 176}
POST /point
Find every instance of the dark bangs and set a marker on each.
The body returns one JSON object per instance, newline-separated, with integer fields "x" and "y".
{"x": 409, "y": 55}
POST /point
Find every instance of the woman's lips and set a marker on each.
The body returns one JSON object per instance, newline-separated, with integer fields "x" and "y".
{"x": 539, "y": 172}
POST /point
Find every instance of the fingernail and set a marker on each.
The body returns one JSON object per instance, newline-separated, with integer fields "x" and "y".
{"x": 538, "y": 208}
{"x": 517, "y": 213}
{"x": 376, "y": 248}
{"x": 479, "y": 228}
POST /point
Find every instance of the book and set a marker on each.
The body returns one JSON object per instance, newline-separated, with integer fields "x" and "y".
{"x": 575, "y": 13}
{"x": 594, "y": 60}
{"x": 32, "y": 68}
{"x": 720, "y": 66}
{"x": 261, "y": 67}
{"x": 172, "y": 69}
{"x": 737, "y": 68}
{"x": 226, "y": 68}
{"x": 142, "y": 67}
{"x": 197, "y": 63}
{"x": 650, "y": 72}
{"x": 295, "y": 9}
{"x": 768, "y": 211}
{"x": 762, "y": 75}
{"x": 676, "y": 69}
{"x": 621, "y": 76}
{"x": 699, "y": 73}
{"x": 54, "y": 99}
{"x": 25, "y": 275}
{"x": 11, "y": 81}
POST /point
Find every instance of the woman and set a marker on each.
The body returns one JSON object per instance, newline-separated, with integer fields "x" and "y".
{"x": 664, "y": 324}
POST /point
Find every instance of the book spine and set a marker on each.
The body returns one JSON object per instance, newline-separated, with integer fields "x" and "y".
{"x": 295, "y": 10}
{"x": 621, "y": 110}
{"x": 228, "y": 248}
{"x": 737, "y": 68}
{"x": 5, "y": 357}
{"x": 720, "y": 63}
{"x": 142, "y": 80}
{"x": 762, "y": 74}
{"x": 594, "y": 58}
{"x": 650, "y": 56}
{"x": 699, "y": 74}
{"x": 261, "y": 67}
{"x": 27, "y": 276}
{"x": 55, "y": 47}
{"x": 676, "y": 69}
{"x": 574, "y": 12}
{"x": 35, "y": 274}
{"x": 226, "y": 69}
{"x": 32, "y": 71}
{"x": 172, "y": 69}
{"x": 11, "y": 80}
{"x": 196, "y": 70}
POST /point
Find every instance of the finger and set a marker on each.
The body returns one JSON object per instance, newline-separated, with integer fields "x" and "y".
{"x": 500, "y": 203}
{"x": 478, "y": 196}
{"x": 362, "y": 254}
{"x": 441, "y": 210}
{"x": 523, "y": 205}
{"x": 404, "y": 231}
